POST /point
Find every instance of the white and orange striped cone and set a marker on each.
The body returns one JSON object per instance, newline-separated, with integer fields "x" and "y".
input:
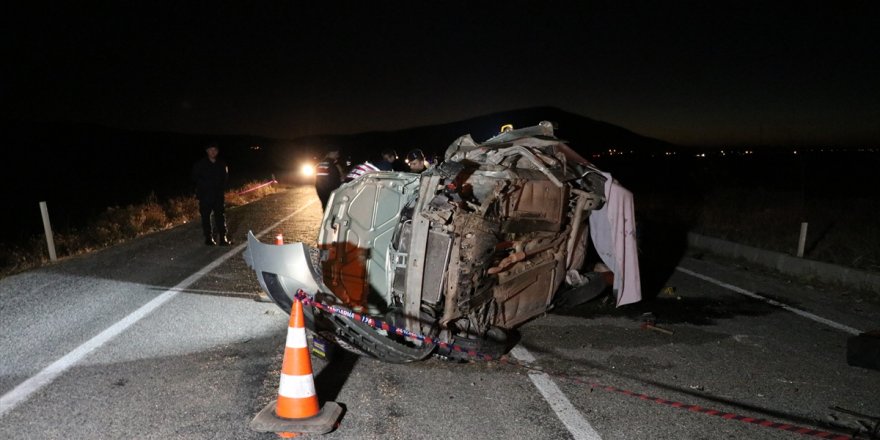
{"x": 297, "y": 410}
{"x": 279, "y": 239}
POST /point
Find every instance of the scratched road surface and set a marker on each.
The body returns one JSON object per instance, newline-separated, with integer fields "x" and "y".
{"x": 161, "y": 338}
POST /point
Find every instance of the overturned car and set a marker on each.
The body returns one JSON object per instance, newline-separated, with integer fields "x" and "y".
{"x": 495, "y": 235}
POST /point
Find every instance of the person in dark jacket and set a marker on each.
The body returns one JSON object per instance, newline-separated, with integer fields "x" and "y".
{"x": 416, "y": 161}
{"x": 328, "y": 176}
{"x": 210, "y": 175}
{"x": 388, "y": 158}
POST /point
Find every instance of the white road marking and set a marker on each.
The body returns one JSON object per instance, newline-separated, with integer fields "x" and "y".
{"x": 577, "y": 425}
{"x": 772, "y": 302}
{"x": 25, "y": 389}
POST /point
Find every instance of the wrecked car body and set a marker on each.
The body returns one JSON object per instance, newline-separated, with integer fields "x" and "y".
{"x": 494, "y": 236}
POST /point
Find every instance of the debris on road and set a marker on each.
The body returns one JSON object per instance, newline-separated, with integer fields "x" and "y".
{"x": 860, "y": 423}
{"x": 649, "y": 323}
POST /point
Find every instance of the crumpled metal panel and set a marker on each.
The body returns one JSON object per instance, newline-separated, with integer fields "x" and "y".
{"x": 357, "y": 230}
{"x": 538, "y": 206}
{"x": 287, "y": 268}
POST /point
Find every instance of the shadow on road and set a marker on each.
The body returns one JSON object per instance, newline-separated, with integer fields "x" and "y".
{"x": 334, "y": 375}
{"x": 672, "y": 310}
{"x": 661, "y": 247}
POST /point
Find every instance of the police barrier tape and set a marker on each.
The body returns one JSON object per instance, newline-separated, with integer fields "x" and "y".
{"x": 258, "y": 187}
{"x": 382, "y": 325}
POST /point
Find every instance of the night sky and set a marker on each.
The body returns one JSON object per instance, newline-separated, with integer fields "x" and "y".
{"x": 695, "y": 73}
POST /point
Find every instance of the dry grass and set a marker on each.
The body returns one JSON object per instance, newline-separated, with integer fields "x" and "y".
{"x": 251, "y": 191}
{"x": 115, "y": 225}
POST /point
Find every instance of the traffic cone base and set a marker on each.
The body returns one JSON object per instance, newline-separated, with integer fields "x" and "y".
{"x": 322, "y": 423}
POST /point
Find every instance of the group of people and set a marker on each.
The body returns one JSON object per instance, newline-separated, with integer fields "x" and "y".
{"x": 330, "y": 173}
{"x": 211, "y": 175}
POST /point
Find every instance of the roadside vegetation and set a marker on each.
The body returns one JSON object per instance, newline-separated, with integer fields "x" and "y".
{"x": 115, "y": 225}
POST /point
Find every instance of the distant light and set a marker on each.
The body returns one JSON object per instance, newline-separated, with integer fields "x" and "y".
{"x": 795, "y": 151}
{"x": 307, "y": 170}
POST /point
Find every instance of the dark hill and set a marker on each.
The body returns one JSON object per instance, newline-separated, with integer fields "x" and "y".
{"x": 583, "y": 134}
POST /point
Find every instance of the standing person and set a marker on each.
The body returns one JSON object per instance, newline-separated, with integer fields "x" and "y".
{"x": 416, "y": 161}
{"x": 389, "y": 156}
{"x": 210, "y": 175}
{"x": 328, "y": 176}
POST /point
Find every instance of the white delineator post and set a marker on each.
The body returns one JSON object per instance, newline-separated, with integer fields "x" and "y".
{"x": 802, "y": 240}
{"x": 47, "y": 227}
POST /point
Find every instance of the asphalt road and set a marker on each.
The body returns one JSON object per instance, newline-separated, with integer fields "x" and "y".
{"x": 161, "y": 338}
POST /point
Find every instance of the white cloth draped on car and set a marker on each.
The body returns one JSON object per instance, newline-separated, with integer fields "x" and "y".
{"x": 613, "y": 230}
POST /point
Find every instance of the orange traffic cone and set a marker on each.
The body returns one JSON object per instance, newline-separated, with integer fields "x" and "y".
{"x": 279, "y": 239}
{"x": 297, "y": 410}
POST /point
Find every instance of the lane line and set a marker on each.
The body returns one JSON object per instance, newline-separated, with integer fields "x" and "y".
{"x": 577, "y": 425}
{"x": 773, "y": 302}
{"x": 30, "y": 386}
